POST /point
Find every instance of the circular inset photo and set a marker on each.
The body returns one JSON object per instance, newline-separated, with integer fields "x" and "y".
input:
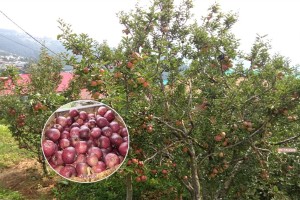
{"x": 85, "y": 141}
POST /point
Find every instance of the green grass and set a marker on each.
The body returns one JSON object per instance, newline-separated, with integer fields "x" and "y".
{"x": 10, "y": 195}
{"x": 10, "y": 154}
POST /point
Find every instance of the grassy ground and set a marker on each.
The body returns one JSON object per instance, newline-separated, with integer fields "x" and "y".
{"x": 9, "y": 194}
{"x": 10, "y": 154}
{"x": 21, "y": 176}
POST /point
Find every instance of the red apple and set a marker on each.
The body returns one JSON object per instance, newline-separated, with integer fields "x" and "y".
{"x": 109, "y": 115}
{"x": 57, "y": 158}
{"x": 123, "y": 148}
{"x": 102, "y": 110}
{"x": 64, "y": 143}
{"x": 143, "y": 178}
{"x": 61, "y": 120}
{"x": 124, "y": 132}
{"x": 104, "y": 142}
{"x": 82, "y": 169}
{"x": 92, "y": 160}
{"x": 68, "y": 171}
{"x": 69, "y": 121}
{"x": 84, "y": 132}
{"x": 116, "y": 139}
{"x": 93, "y": 83}
{"x": 80, "y": 121}
{"x": 111, "y": 160}
{"x": 73, "y": 112}
{"x": 65, "y": 135}
{"x": 53, "y": 134}
{"x": 115, "y": 127}
{"x": 74, "y": 132}
{"x": 81, "y": 147}
{"x": 75, "y": 124}
{"x": 106, "y": 131}
{"x": 138, "y": 179}
{"x": 92, "y": 123}
{"x": 102, "y": 122}
{"x": 91, "y": 116}
{"x": 99, "y": 167}
{"x": 83, "y": 115}
{"x": 145, "y": 84}
{"x": 130, "y": 65}
{"x": 81, "y": 158}
{"x": 95, "y": 132}
{"x": 86, "y": 70}
{"x": 74, "y": 141}
{"x": 95, "y": 150}
{"x": 69, "y": 155}
{"x": 49, "y": 147}
{"x": 58, "y": 127}
{"x": 218, "y": 138}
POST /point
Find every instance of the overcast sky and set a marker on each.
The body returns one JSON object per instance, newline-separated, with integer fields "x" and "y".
{"x": 277, "y": 18}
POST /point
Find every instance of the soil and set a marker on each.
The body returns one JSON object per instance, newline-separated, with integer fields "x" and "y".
{"x": 27, "y": 178}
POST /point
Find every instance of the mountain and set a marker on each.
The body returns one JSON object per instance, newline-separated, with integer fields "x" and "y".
{"x": 23, "y": 45}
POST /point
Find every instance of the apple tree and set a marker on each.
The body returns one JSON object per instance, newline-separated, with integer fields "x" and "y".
{"x": 26, "y": 104}
{"x": 205, "y": 119}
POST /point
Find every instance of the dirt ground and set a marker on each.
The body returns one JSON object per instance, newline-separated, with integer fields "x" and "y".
{"x": 27, "y": 178}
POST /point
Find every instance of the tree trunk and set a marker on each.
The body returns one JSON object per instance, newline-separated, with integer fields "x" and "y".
{"x": 42, "y": 160}
{"x": 196, "y": 195}
{"x": 46, "y": 172}
{"x": 129, "y": 190}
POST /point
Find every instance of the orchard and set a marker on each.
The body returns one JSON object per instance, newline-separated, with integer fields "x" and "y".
{"x": 205, "y": 119}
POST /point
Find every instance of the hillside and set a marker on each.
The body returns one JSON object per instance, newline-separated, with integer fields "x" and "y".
{"x": 20, "y": 44}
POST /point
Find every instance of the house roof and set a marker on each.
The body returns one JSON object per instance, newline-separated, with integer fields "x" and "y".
{"x": 25, "y": 79}
{"x": 66, "y": 78}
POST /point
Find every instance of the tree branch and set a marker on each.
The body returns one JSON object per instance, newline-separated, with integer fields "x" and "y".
{"x": 170, "y": 126}
{"x": 250, "y": 136}
{"x": 186, "y": 183}
{"x": 160, "y": 151}
{"x": 221, "y": 193}
{"x": 286, "y": 141}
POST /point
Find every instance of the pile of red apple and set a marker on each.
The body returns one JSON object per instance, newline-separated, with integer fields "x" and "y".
{"x": 84, "y": 144}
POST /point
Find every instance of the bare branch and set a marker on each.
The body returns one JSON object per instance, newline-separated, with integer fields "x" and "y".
{"x": 207, "y": 156}
{"x": 186, "y": 183}
{"x": 183, "y": 125}
{"x": 160, "y": 151}
{"x": 221, "y": 193}
{"x": 170, "y": 126}
{"x": 247, "y": 138}
{"x": 190, "y": 103}
{"x": 190, "y": 94}
{"x": 195, "y": 141}
{"x": 266, "y": 150}
{"x": 287, "y": 140}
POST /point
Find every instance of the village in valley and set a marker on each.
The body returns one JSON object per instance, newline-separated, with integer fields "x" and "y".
{"x": 9, "y": 59}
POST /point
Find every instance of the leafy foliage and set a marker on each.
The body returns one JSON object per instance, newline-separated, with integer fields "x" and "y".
{"x": 204, "y": 118}
{"x": 216, "y": 124}
{"x": 28, "y": 104}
